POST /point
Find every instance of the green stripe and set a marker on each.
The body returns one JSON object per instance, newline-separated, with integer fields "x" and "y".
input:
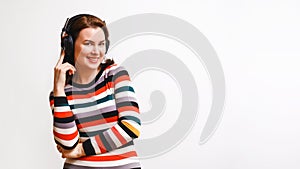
{"x": 124, "y": 89}
{"x": 102, "y": 100}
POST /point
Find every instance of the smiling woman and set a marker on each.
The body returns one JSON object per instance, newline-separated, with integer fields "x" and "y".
{"x": 95, "y": 112}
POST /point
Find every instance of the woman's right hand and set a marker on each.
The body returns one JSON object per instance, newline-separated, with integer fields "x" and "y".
{"x": 60, "y": 71}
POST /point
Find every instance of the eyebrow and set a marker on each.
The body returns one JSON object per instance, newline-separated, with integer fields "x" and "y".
{"x": 88, "y": 40}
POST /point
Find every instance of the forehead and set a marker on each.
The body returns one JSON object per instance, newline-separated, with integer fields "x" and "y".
{"x": 95, "y": 34}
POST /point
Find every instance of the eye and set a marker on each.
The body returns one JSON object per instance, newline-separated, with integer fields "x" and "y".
{"x": 87, "y": 43}
{"x": 102, "y": 44}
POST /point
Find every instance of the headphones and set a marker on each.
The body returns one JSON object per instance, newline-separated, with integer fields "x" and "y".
{"x": 67, "y": 42}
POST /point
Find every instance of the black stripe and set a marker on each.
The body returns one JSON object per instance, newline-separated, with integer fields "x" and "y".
{"x": 97, "y": 117}
{"x": 105, "y": 143}
{"x": 91, "y": 134}
{"x": 127, "y": 103}
{"x": 60, "y": 101}
{"x": 137, "y": 120}
{"x": 127, "y": 130}
{"x": 119, "y": 74}
{"x": 88, "y": 148}
{"x": 92, "y": 90}
{"x": 51, "y": 96}
{"x": 64, "y": 120}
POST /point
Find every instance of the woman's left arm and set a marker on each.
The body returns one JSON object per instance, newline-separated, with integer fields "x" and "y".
{"x": 129, "y": 124}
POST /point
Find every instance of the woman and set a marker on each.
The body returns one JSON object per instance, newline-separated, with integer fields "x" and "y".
{"x": 95, "y": 111}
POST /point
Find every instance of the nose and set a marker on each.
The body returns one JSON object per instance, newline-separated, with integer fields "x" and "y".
{"x": 96, "y": 50}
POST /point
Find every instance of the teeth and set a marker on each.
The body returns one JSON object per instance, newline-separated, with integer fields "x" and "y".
{"x": 93, "y": 59}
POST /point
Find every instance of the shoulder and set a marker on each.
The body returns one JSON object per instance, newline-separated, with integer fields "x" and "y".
{"x": 115, "y": 69}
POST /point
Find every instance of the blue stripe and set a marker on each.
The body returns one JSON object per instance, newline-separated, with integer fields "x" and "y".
{"x": 124, "y": 89}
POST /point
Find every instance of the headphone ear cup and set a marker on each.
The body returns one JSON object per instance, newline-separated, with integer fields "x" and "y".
{"x": 68, "y": 47}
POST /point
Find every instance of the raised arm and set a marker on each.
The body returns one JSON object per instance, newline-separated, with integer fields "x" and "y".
{"x": 64, "y": 127}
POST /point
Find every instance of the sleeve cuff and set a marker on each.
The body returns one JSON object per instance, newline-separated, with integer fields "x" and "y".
{"x": 60, "y": 101}
{"x": 88, "y": 148}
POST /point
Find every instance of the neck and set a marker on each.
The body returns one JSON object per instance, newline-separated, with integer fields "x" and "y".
{"x": 85, "y": 76}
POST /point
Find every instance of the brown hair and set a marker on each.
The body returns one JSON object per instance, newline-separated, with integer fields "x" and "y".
{"x": 82, "y": 21}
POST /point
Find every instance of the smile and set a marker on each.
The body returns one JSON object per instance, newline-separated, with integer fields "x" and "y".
{"x": 93, "y": 59}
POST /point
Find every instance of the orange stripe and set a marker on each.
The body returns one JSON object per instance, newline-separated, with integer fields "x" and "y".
{"x": 98, "y": 122}
{"x": 63, "y": 114}
{"x": 100, "y": 144}
{"x": 66, "y": 136}
{"x": 122, "y": 78}
{"x": 110, "y": 157}
{"x": 119, "y": 136}
{"x": 130, "y": 127}
{"x": 128, "y": 108}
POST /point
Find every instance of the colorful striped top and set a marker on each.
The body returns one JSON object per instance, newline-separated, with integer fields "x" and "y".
{"x": 103, "y": 115}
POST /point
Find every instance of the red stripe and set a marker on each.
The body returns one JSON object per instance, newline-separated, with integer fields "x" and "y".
{"x": 98, "y": 122}
{"x": 122, "y": 78}
{"x": 110, "y": 157}
{"x": 63, "y": 114}
{"x": 51, "y": 102}
{"x": 100, "y": 144}
{"x": 66, "y": 136}
{"x": 128, "y": 108}
{"x": 118, "y": 135}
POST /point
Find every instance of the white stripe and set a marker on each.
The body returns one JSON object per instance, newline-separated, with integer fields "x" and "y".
{"x": 98, "y": 127}
{"x": 104, "y": 163}
{"x": 91, "y": 99}
{"x": 123, "y": 133}
{"x": 125, "y": 94}
{"x": 130, "y": 113}
{"x": 114, "y": 138}
{"x": 65, "y": 131}
{"x": 66, "y": 143}
{"x": 62, "y": 109}
{"x": 96, "y": 107}
{"x": 95, "y": 145}
{"x": 122, "y": 84}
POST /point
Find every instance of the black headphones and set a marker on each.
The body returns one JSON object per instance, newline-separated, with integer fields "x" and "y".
{"x": 67, "y": 42}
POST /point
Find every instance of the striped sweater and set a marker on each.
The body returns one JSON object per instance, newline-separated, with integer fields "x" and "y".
{"x": 103, "y": 115}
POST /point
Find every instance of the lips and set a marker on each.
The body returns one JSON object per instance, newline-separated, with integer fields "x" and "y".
{"x": 93, "y": 59}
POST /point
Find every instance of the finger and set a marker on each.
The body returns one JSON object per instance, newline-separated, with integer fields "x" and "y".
{"x": 59, "y": 148}
{"x": 66, "y": 66}
{"x": 64, "y": 34}
{"x": 61, "y": 58}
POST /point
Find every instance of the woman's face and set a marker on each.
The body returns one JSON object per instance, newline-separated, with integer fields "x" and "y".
{"x": 89, "y": 48}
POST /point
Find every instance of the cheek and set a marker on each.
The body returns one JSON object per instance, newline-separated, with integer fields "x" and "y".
{"x": 81, "y": 50}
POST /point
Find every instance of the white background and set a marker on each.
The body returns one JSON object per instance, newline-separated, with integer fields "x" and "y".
{"x": 257, "y": 42}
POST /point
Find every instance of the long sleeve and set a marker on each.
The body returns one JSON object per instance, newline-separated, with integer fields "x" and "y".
{"x": 64, "y": 127}
{"x": 128, "y": 126}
